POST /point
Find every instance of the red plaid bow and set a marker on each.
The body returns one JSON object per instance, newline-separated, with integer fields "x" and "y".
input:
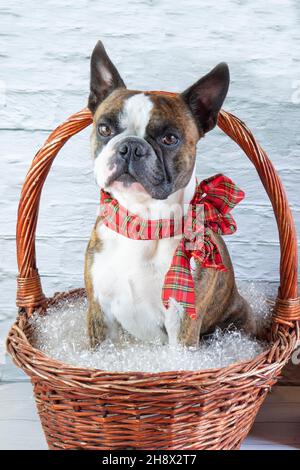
{"x": 209, "y": 209}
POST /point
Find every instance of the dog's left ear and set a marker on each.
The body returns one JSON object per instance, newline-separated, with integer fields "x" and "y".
{"x": 206, "y": 96}
{"x": 104, "y": 77}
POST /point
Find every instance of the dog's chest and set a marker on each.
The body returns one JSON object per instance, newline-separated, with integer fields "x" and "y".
{"x": 127, "y": 277}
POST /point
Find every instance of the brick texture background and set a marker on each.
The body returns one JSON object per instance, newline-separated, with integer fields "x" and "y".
{"x": 156, "y": 44}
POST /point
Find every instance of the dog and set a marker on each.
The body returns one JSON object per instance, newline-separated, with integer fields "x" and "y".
{"x": 144, "y": 151}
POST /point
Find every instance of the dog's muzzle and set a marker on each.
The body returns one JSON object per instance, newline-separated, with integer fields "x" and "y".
{"x": 136, "y": 160}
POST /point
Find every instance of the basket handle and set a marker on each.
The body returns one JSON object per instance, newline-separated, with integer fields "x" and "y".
{"x": 29, "y": 290}
{"x": 287, "y": 306}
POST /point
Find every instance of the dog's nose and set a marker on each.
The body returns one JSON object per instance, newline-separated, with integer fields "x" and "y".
{"x": 132, "y": 148}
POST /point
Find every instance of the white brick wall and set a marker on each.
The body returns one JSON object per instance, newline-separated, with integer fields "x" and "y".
{"x": 44, "y": 53}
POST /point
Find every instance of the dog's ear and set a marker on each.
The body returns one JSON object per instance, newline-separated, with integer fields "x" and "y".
{"x": 207, "y": 95}
{"x": 104, "y": 77}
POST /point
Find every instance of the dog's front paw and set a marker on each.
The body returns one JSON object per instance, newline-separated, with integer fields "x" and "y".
{"x": 97, "y": 328}
{"x": 173, "y": 320}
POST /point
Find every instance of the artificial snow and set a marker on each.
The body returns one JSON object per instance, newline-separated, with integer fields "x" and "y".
{"x": 62, "y": 334}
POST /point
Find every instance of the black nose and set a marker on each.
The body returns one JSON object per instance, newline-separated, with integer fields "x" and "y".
{"x": 132, "y": 148}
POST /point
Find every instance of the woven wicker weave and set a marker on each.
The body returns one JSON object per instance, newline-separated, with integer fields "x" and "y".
{"x": 91, "y": 409}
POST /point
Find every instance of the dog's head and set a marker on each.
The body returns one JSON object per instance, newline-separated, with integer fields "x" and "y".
{"x": 145, "y": 141}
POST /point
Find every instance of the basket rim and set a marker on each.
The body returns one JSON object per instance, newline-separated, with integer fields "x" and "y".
{"x": 59, "y": 364}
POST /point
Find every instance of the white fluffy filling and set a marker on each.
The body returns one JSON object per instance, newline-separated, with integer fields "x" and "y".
{"x": 62, "y": 334}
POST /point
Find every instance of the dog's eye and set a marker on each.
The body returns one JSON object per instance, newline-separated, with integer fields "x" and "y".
{"x": 169, "y": 139}
{"x": 104, "y": 130}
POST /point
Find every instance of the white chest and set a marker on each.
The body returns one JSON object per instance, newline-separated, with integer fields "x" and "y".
{"x": 128, "y": 276}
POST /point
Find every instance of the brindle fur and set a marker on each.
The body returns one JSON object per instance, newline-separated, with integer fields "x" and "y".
{"x": 95, "y": 318}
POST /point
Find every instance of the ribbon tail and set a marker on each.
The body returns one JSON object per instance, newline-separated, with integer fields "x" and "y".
{"x": 179, "y": 283}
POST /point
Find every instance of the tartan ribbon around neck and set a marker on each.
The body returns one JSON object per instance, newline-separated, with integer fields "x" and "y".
{"x": 209, "y": 210}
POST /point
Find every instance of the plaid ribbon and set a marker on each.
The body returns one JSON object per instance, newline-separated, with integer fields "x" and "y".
{"x": 209, "y": 209}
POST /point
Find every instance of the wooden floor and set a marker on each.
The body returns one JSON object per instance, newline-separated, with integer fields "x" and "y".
{"x": 277, "y": 425}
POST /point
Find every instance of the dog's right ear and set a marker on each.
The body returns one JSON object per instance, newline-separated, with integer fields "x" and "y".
{"x": 206, "y": 96}
{"x": 104, "y": 77}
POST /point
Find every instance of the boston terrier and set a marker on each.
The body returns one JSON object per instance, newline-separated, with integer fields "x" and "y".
{"x": 144, "y": 151}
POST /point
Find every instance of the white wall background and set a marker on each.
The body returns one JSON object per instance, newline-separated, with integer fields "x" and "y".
{"x": 157, "y": 44}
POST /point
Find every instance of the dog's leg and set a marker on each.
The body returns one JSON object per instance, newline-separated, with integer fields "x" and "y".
{"x": 97, "y": 328}
{"x": 173, "y": 320}
{"x": 181, "y": 328}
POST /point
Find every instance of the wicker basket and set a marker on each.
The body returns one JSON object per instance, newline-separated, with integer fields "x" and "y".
{"x": 92, "y": 409}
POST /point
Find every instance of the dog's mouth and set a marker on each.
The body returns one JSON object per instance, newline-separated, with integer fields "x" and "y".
{"x": 126, "y": 178}
{"x": 124, "y": 181}
{"x": 122, "y": 175}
